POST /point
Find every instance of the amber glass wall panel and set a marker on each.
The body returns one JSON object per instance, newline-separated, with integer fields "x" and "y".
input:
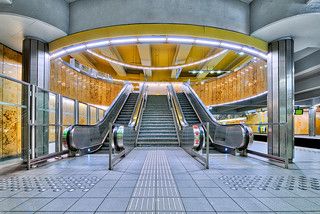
{"x": 10, "y": 106}
{"x": 93, "y": 115}
{"x": 83, "y": 111}
{"x": 70, "y": 83}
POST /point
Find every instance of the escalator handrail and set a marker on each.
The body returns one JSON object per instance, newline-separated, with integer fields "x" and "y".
{"x": 174, "y": 113}
{"x": 176, "y": 104}
{"x": 126, "y": 87}
{"x": 107, "y": 111}
{"x": 136, "y": 110}
{"x": 213, "y": 120}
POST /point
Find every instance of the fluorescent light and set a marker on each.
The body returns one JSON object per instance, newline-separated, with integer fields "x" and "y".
{"x": 156, "y": 68}
{"x": 152, "y": 39}
{"x": 123, "y": 41}
{"x": 75, "y": 48}
{"x": 207, "y": 42}
{"x": 97, "y": 44}
{"x": 241, "y": 53}
{"x": 181, "y": 39}
{"x": 229, "y": 45}
{"x": 58, "y": 54}
{"x": 254, "y": 52}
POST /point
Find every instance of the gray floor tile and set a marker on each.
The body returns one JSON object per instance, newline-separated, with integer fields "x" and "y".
{"x": 224, "y": 204}
{"x": 206, "y": 183}
{"x": 142, "y": 204}
{"x": 98, "y": 192}
{"x": 49, "y": 194}
{"x": 59, "y": 204}
{"x": 186, "y": 183}
{"x": 251, "y": 205}
{"x": 169, "y": 205}
{"x": 213, "y": 193}
{"x": 120, "y": 192}
{"x": 33, "y": 204}
{"x": 10, "y": 203}
{"x": 163, "y": 192}
{"x": 277, "y": 204}
{"x": 73, "y": 194}
{"x": 197, "y": 204}
{"x": 26, "y": 194}
{"x": 114, "y": 205}
{"x": 303, "y": 204}
{"x": 126, "y": 183}
{"x": 190, "y": 192}
{"x": 144, "y": 192}
{"x": 238, "y": 193}
{"x": 86, "y": 204}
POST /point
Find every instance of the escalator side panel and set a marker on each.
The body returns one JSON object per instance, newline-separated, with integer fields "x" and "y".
{"x": 87, "y": 137}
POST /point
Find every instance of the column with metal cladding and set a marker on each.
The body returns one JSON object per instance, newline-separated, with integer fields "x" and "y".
{"x": 36, "y": 71}
{"x": 281, "y": 98}
{"x": 312, "y": 121}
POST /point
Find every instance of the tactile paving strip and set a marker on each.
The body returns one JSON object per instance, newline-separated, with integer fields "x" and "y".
{"x": 274, "y": 182}
{"x": 70, "y": 183}
{"x": 156, "y": 189}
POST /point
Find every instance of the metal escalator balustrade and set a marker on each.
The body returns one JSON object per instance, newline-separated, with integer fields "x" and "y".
{"x": 189, "y": 113}
{"x": 127, "y": 110}
{"x": 157, "y": 125}
{"x": 226, "y": 138}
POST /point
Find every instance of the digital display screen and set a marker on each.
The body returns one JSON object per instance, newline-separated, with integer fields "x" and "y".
{"x": 298, "y": 111}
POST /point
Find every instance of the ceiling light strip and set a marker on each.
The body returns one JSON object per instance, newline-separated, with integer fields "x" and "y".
{"x": 141, "y": 67}
{"x": 160, "y": 40}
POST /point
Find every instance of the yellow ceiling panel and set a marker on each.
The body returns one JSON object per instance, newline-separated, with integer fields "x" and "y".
{"x": 196, "y": 53}
{"x": 227, "y": 60}
{"x": 129, "y": 54}
{"x": 162, "y": 54}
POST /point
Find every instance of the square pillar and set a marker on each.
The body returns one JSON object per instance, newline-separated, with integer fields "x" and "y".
{"x": 312, "y": 121}
{"x": 281, "y": 98}
{"x": 36, "y": 71}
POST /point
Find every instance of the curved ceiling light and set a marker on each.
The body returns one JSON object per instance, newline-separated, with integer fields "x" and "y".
{"x": 141, "y": 67}
{"x": 160, "y": 40}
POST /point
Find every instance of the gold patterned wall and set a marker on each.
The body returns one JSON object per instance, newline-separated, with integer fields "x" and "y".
{"x": 10, "y": 103}
{"x": 246, "y": 82}
{"x": 68, "y": 82}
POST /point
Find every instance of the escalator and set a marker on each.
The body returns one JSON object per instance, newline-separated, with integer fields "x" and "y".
{"x": 187, "y": 109}
{"x": 127, "y": 110}
{"x": 191, "y": 110}
{"x": 90, "y": 138}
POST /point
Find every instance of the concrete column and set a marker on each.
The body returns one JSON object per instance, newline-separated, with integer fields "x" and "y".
{"x": 281, "y": 98}
{"x": 36, "y": 71}
{"x": 312, "y": 121}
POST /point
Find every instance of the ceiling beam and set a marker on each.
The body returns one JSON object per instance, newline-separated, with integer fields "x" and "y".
{"x": 180, "y": 57}
{"x": 211, "y": 64}
{"x": 84, "y": 60}
{"x": 113, "y": 53}
{"x": 145, "y": 56}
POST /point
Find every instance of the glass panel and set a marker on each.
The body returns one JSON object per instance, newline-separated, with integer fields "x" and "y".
{"x": 83, "y": 114}
{"x": 68, "y": 117}
{"x": 101, "y": 114}
{"x": 93, "y": 115}
{"x": 11, "y": 107}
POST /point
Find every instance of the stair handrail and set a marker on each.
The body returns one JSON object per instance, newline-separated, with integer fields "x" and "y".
{"x": 177, "y": 107}
{"x": 177, "y": 126}
{"x": 136, "y": 110}
{"x": 139, "y": 120}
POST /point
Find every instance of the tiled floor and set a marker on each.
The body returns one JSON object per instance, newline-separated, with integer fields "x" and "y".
{"x": 165, "y": 180}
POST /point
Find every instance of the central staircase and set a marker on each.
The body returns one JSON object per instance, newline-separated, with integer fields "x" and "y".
{"x": 157, "y": 125}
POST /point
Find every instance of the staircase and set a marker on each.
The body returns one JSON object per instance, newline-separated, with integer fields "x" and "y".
{"x": 127, "y": 110}
{"x": 157, "y": 125}
{"x": 189, "y": 114}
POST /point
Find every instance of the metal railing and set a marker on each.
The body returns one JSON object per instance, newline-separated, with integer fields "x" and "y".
{"x": 44, "y": 115}
{"x": 281, "y": 157}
